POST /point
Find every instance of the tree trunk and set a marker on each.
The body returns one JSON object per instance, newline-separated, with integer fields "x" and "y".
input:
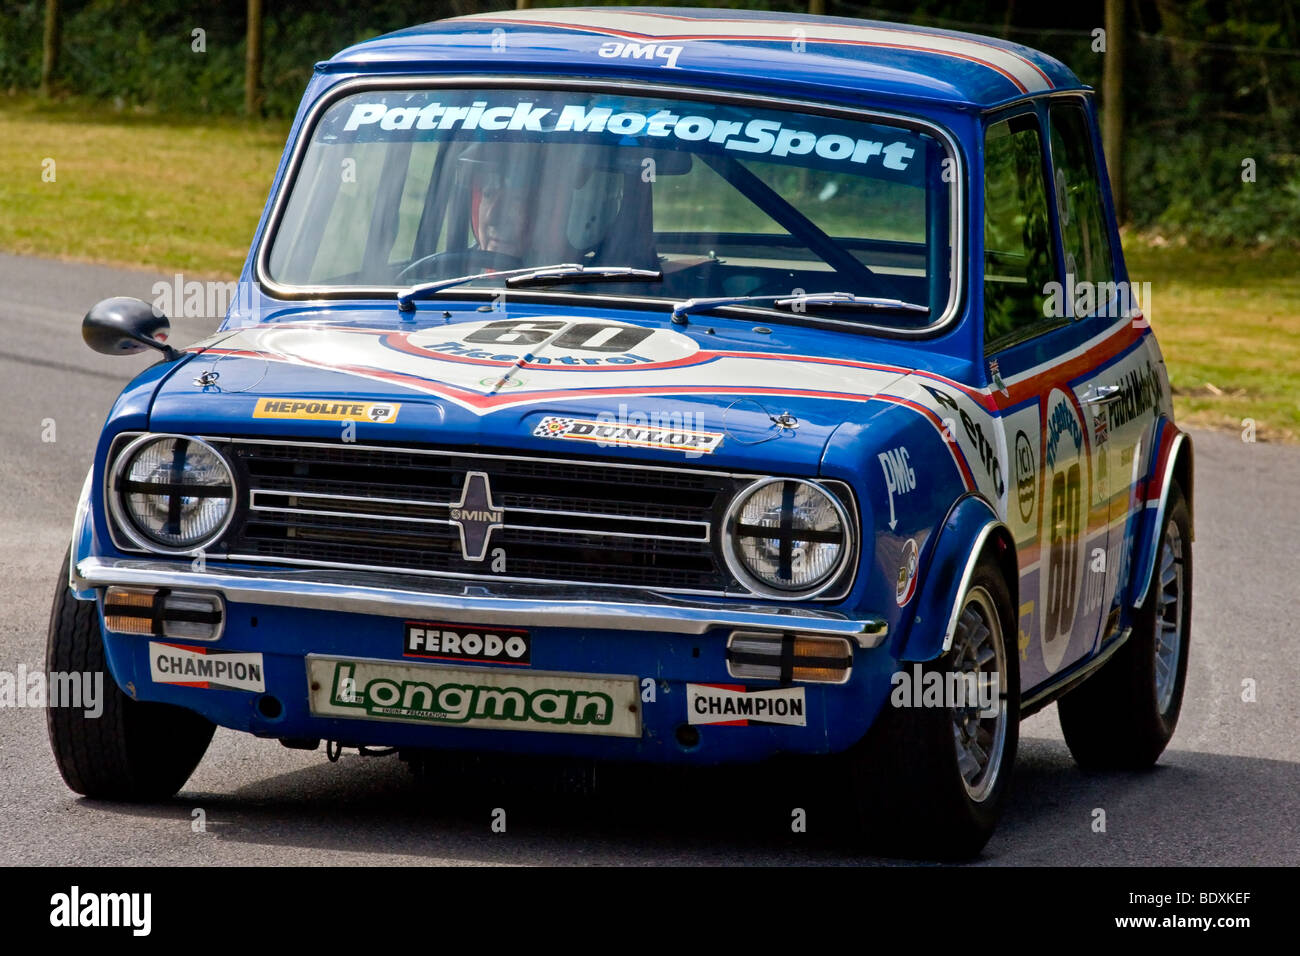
{"x": 253, "y": 63}
{"x": 53, "y": 41}
{"x": 1112, "y": 102}
{"x": 817, "y": 6}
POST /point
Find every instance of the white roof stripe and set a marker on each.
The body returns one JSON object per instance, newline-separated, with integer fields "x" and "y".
{"x": 1021, "y": 71}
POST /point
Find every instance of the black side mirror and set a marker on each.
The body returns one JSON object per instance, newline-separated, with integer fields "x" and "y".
{"x": 122, "y": 326}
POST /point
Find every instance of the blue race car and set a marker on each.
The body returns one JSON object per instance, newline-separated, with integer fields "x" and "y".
{"x": 653, "y": 385}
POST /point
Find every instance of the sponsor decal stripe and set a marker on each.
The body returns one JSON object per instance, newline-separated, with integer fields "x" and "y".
{"x": 1026, "y": 386}
{"x": 477, "y": 400}
{"x": 1155, "y": 487}
{"x": 958, "y": 456}
{"x": 961, "y": 48}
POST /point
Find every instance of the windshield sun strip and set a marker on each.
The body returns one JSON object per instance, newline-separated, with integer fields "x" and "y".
{"x": 957, "y": 205}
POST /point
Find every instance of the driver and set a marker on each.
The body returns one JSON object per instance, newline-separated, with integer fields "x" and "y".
{"x": 540, "y": 204}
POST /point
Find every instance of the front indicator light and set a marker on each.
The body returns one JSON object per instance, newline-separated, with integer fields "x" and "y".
{"x": 789, "y": 657}
{"x": 161, "y": 612}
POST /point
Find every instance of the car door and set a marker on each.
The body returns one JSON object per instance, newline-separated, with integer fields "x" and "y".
{"x": 1040, "y": 377}
{"x": 1121, "y": 388}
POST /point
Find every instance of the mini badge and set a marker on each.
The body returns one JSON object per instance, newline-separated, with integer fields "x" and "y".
{"x": 734, "y": 706}
{"x": 328, "y": 410}
{"x": 615, "y": 434}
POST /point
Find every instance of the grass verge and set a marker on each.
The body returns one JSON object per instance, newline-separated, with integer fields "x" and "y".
{"x": 138, "y": 190}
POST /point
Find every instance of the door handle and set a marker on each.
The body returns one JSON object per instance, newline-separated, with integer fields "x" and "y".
{"x": 1101, "y": 394}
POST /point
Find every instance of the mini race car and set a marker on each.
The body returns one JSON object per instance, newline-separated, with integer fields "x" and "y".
{"x": 653, "y": 385}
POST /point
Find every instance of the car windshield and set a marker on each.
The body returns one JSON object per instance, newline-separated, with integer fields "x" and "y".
{"x": 402, "y": 187}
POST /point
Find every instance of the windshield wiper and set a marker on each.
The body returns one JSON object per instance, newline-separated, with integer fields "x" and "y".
{"x": 406, "y": 297}
{"x": 834, "y": 299}
{"x": 557, "y": 275}
{"x": 562, "y": 272}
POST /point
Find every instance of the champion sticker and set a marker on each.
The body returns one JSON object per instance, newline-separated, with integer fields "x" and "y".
{"x": 737, "y": 707}
{"x": 205, "y": 667}
{"x": 613, "y": 434}
{"x": 327, "y": 410}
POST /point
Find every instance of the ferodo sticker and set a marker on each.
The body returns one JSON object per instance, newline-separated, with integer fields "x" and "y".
{"x": 615, "y": 434}
{"x": 433, "y": 694}
{"x": 328, "y": 410}
{"x": 737, "y": 707}
{"x": 205, "y": 667}
{"x": 495, "y": 645}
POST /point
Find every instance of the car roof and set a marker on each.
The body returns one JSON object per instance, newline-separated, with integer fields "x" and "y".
{"x": 748, "y": 47}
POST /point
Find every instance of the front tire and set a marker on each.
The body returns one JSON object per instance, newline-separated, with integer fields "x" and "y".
{"x": 1123, "y": 716}
{"x": 133, "y": 751}
{"x": 931, "y": 781}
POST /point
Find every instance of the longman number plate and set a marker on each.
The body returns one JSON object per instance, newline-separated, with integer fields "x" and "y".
{"x": 463, "y": 697}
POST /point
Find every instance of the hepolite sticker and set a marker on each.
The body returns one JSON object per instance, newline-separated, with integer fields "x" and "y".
{"x": 205, "y": 667}
{"x": 327, "y": 410}
{"x": 738, "y": 707}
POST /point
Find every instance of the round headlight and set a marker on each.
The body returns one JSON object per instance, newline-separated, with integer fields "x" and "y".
{"x": 172, "y": 493}
{"x": 786, "y": 537}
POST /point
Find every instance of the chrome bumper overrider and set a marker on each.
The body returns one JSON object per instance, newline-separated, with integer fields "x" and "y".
{"x": 497, "y": 603}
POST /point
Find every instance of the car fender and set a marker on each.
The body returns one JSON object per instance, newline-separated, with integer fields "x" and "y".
{"x": 971, "y": 528}
{"x": 83, "y": 540}
{"x": 1171, "y": 462}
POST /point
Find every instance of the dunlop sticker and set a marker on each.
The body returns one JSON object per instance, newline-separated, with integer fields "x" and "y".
{"x": 327, "y": 410}
{"x": 614, "y": 434}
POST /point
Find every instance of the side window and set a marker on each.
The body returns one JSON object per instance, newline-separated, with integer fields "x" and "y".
{"x": 1084, "y": 235}
{"x": 1018, "y": 248}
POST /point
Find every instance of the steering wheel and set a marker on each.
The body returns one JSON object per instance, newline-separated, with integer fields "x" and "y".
{"x": 461, "y": 262}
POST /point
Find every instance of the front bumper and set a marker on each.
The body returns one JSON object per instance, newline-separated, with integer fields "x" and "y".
{"x": 499, "y": 604}
{"x": 666, "y": 643}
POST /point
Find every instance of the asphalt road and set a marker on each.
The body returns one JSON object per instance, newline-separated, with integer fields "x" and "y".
{"x": 1227, "y": 791}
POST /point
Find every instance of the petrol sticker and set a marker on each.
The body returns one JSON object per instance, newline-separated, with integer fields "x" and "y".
{"x": 497, "y": 645}
{"x": 328, "y": 410}
{"x": 205, "y": 667}
{"x": 737, "y": 707}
